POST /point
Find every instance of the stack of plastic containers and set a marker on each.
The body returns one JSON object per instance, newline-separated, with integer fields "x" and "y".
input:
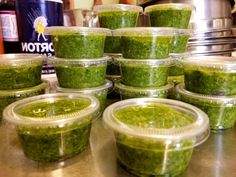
{"x": 145, "y": 62}
{"x": 20, "y": 77}
{"x": 116, "y": 16}
{"x": 80, "y": 64}
{"x": 210, "y": 85}
{"x": 174, "y": 15}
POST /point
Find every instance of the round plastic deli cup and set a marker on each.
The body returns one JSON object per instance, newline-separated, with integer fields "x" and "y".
{"x": 53, "y": 127}
{"x": 127, "y": 92}
{"x": 170, "y": 15}
{"x": 78, "y": 42}
{"x": 154, "y": 136}
{"x": 221, "y": 110}
{"x": 177, "y": 68}
{"x": 211, "y": 75}
{"x": 76, "y": 73}
{"x": 20, "y": 70}
{"x": 180, "y": 41}
{"x": 112, "y": 65}
{"x": 145, "y": 42}
{"x": 9, "y": 96}
{"x": 144, "y": 73}
{"x": 99, "y": 92}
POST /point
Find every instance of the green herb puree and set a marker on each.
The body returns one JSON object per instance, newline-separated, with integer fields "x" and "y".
{"x": 179, "y": 44}
{"x": 112, "y": 44}
{"x": 48, "y": 144}
{"x": 210, "y": 81}
{"x": 145, "y": 157}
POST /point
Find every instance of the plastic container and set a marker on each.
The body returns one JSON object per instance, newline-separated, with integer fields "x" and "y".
{"x": 53, "y": 127}
{"x": 144, "y": 73}
{"x": 180, "y": 41}
{"x": 145, "y": 42}
{"x": 115, "y": 16}
{"x": 170, "y": 15}
{"x": 112, "y": 65}
{"x": 177, "y": 68}
{"x": 156, "y": 137}
{"x": 20, "y": 70}
{"x": 9, "y": 96}
{"x": 211, "y": 75}
{"x": 127, "y": 92}
{"x": 76, "y": 73}
{"x": 99, "y": 92}
{"x": 78, "y": 42}
{"x": 221, "y": 110}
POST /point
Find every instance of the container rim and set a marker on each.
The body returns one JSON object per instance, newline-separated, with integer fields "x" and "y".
{"x": 117, "y": 7}
{"x": 177, "y": 6}
{"x": 199, "y": 129}
{"x": 21, "y": 58}
{"x": 10, "y": 115}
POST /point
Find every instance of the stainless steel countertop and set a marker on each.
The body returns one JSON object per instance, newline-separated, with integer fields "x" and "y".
{"x": 214, "y": 158}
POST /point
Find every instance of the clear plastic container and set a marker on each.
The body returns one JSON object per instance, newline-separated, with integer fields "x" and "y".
{"x": 112, "y": 65}
{"x": 221, "y": 110}
{"x": 53, "y": 127}
{"x": 170, "y": 15}
{"x": 115, "y": 16}
{"x": 211, "y": 75}
{"x": 144, "y": 73}
{"x": 79, "y": 74}
{"x": 180, "y": 41}
{"x": 19, "y": 71}
{"x": 78, "y": 42}
{"x": 177, "y": 68}
{"x": 9, "y": 96}
{"x": 99, "y": 92}
{"x": 145, "y": 42}
{"x": 156, "y": 137}
{"x": 127, "y": 92}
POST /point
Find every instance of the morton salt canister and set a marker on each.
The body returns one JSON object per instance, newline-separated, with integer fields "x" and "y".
{"x": 33, "y": 16}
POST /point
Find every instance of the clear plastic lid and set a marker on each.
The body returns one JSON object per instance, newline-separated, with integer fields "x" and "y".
{"x": 177, "y": 6}
{"x": 179, "y": 32}
{"x": 65, "y": 30}
{"x": 108, "y": 84}
{"x": 149, "y": 62}
{"x": 20, "y": 59}
{"x": 145, "y": 31}
{"x": 79, "y": 62}
{"x": 224, "y": 63}
{"x": 117, "y": 7}
{"x": 198, "y": 129}
{"x": 201, "y": 98}
{"x": 150, "y": 90}
{"x": 19, "y": 92}
{"x": 91, "y": 111}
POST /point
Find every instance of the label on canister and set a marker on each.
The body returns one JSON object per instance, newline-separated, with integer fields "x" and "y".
{"x": 33, "y": 16}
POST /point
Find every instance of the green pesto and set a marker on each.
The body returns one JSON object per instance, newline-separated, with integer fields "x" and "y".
{"x": 128, "y": 94}
{"x": 79, "y": 46}
{"x": 102, "y": 97}
{"x": 210, "y": 81}
{"x": 80, "y": 76}
{"x": 176, "y": 70}
{"x": 22, "y": 76}
{"x": 170, "y": 17}
{"x": 48, "y": 144}
{"x": 145, "y": 157}
{"x": 146, "y": 47}
{"x": 118, "y": 19}
{"x": 221, "y": 115}
{"x": 176, "y": 79}
{"x": 112, "y": 44}
{"x": 179, "y": 44}
{"x": 144, "y": 75}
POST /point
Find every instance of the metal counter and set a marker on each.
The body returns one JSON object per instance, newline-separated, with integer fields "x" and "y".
{"x": 215, "y": 158}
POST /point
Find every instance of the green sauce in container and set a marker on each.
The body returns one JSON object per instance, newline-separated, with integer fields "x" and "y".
{"x": 169, "y": 15}
{"x": 53, "y": 127}
{"x": 156, "y": 137}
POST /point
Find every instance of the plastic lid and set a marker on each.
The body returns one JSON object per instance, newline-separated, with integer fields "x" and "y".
{"x": 108, "y": 84}
{"x": 180, "y": 89}
{"x": 198, "y": 130}
{"x": 79, "y": 62}
{"x": 62, "y": 30}
{"x": 92, "y": 110}
{"x": 149, "y": 62}
{"x": 177, "y": 6}
{"x": 117, "y": 7}
{"x": 19, "y": 92}
{"x": 145, "y": 31}
{"x": 151, "y": 90}
{"x": 179, "y": 32}
{"x": 20, "y": 59}
{"x": 215, "y": 62}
